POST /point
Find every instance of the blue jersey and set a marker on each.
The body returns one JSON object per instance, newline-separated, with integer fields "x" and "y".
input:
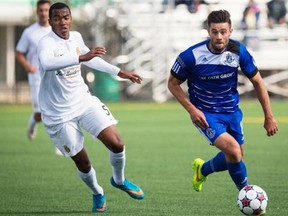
{"x": 212, "y": 77}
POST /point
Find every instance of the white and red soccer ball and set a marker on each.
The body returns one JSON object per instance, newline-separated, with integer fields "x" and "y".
{"x": 252, "y": 200}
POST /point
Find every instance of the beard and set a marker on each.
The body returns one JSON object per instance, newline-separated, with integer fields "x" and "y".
{"x": 218, "y": 47}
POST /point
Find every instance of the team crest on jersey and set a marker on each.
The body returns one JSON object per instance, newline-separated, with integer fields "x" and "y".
{"x": 210, "y": 132}
{"x": 66, "y": 148}
{"x": 229, "y": 58}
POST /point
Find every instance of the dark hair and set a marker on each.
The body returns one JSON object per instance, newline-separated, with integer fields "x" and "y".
{"x": 58, "y": 5}
{"x": 219, "y": 16}
{"x": 40, "y": 2}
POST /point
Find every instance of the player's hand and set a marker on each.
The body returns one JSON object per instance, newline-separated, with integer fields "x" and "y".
{"x": 133, "y": 77}
{"x": 94, "y": 52}
{"x": 98, "y": 51}
{"x": 198, "y": 118}
{"x": 31, "y": 68}
{"x": 270, "y": 126}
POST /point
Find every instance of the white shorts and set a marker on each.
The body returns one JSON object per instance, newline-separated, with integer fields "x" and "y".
{"x": 34, "y": 91}
{"x": 68, "y": 136}
{"x": 34, "y": 82}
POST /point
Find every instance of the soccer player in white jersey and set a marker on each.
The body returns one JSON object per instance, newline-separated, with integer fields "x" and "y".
{"x": 26, "y": 55}
{"x": 67, "y": 106}
{"x": 211, "y": 70}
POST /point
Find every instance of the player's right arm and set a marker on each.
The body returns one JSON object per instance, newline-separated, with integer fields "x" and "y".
{"x": 197, "y": 116}
{"x": 51, "y": 58}
{"x": 22, "y": 48}
{"x": 21, "y": 58}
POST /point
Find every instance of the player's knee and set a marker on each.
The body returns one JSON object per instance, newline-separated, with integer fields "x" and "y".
{"x": 82, "y": 161}
{"x": 117, "y": 147}
{"x": 84, "y": 166}
{"x": 113, "y": 142}
{"x": 233, "y": 154}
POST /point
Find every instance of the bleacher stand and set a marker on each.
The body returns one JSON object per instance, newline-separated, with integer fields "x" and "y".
{"x": 156, "y": 37}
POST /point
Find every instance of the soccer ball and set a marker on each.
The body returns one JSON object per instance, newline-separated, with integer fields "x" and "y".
{"x": 252, "y": 200}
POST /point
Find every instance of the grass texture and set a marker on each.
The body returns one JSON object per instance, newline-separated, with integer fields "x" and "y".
{"x": 160, "y": 144}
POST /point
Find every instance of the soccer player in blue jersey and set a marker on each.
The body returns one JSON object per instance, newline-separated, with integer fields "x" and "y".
{"x": 211, "y": 70}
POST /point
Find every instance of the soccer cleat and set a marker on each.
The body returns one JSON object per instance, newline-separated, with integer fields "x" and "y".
{"x": 263, "y": 213}
{"x": 31, "y": 132}
{"x": 58, "y": 152}
{"x": 99, "y": 203}
{"x": 133, "y": 190}
{"x": 198, "y": 178}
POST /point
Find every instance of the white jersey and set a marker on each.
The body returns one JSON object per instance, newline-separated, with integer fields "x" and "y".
{"x": 28, "y": 44}
{"x": 63, "y": 93}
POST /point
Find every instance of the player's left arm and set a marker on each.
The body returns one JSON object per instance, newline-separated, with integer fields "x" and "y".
{"x": 133, "y": 77}
{"x": 270, "y": 123}
{"x": 101, "y": 65}
{"x": 93, "y": 59}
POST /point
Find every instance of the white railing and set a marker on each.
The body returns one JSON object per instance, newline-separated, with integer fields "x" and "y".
{"x": 157, "y": 38}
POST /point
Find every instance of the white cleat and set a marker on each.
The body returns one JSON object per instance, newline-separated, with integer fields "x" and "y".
{"x": 58, "y": 152}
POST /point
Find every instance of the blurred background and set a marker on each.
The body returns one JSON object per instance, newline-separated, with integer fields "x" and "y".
{"x": 146, "y": 36}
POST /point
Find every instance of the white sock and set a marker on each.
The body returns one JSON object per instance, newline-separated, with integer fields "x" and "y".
{"x": 90, "y": 180}
{"x": 32, "y": 121}
{"x": 117, "y": 161}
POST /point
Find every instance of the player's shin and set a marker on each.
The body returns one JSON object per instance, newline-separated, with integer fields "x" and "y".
{"x": 216, "y": 164}
{"x": 238, "y": 174}
{"x": 118, "y": 161}
{"x": 90, "y": 180}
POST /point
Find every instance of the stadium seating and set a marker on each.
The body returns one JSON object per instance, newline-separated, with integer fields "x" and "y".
{"x": 156, "y": 37}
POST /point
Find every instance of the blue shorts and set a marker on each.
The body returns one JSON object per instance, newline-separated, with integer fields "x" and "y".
{"x": 221, "y": 123}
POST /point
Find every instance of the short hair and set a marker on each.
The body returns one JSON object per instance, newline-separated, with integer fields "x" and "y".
{"x": 219, "y": 16}
{"x": 58, "y": 5}
{"x": 40, "y": 2}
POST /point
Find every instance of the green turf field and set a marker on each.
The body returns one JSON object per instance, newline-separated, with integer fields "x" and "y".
{"x": 161, "y": 144}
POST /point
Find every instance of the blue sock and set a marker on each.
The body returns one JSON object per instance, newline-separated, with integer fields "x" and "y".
{"x": 238, "y": 174}
{"x": 216, "y": 164}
